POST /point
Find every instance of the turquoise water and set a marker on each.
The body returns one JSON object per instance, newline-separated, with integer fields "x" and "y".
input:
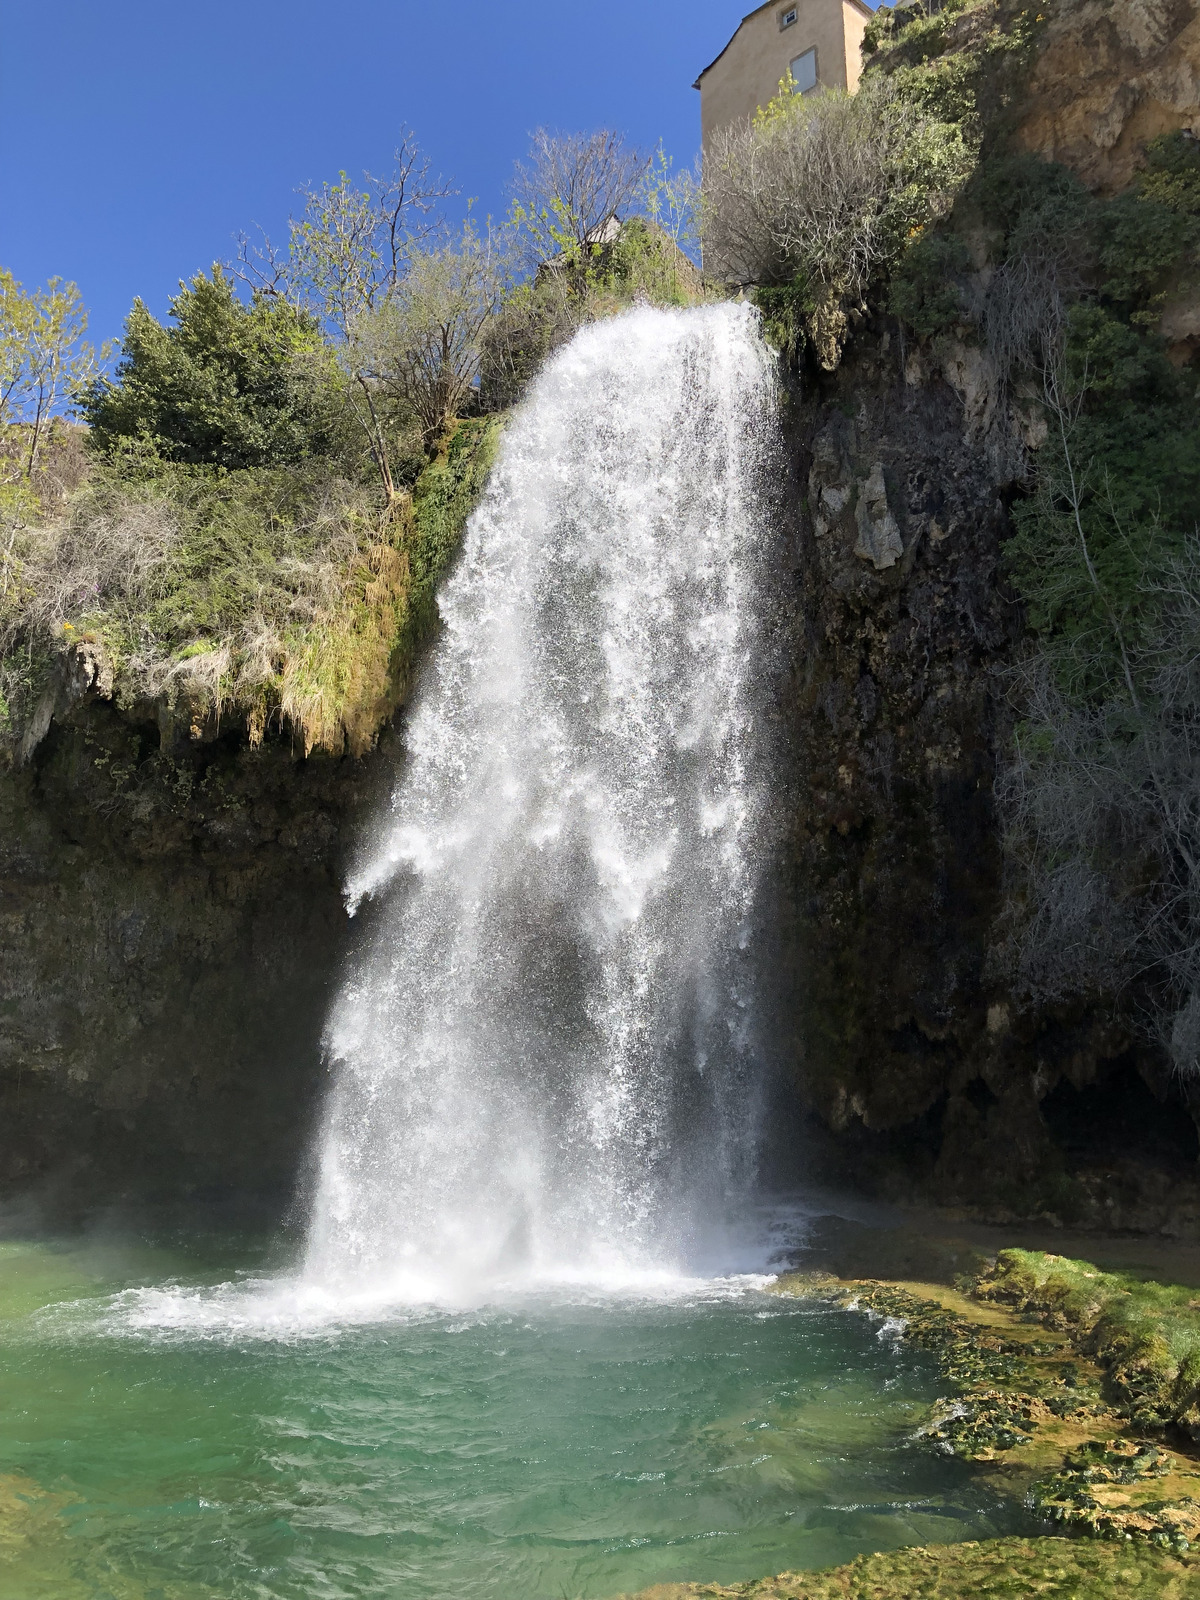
{"x": 158, "y": 1444}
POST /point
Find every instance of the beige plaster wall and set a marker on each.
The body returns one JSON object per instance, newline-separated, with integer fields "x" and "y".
{"x": 747, "y": 75}
{"x": 856, "y": 25}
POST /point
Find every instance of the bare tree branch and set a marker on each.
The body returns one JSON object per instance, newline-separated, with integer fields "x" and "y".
{"x": 571, "y": 188}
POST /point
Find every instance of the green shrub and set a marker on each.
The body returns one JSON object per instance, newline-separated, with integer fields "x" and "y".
{"x": 927, "y": 290}
{"x": 825, "y": 192}
{"x": 1150, "y": 235}
{"x": 230, "y": 385}
{"x": 641, "y": 264}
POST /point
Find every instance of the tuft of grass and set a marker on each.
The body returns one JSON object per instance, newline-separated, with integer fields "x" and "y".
{"x": 1145, "y": 1335}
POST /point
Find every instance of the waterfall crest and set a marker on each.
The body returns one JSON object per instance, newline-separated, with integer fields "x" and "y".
{"x": 545, "y": 1054}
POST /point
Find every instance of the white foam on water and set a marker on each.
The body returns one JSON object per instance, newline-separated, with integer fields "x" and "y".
{"x": 289, "y": 1309}
{"x": 739, "y": 1260}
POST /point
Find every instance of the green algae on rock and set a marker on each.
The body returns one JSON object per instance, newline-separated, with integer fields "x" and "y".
{"x": 1057, "y": 1372}
{"x": 1004, "y": 1569}
{"x": 1145, "y": 1335}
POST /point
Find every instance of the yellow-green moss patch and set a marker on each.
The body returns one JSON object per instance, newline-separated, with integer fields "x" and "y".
{"x": 1001, "y": 1569}
{"x": 1041, "y": 1398}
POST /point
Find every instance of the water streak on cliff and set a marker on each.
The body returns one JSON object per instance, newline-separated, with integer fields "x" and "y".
{"x": 545, "y": 1055}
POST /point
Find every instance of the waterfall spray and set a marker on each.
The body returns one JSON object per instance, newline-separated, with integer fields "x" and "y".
{"x": 545, "y": 1054}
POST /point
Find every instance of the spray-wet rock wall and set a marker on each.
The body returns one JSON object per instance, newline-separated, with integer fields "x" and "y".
{"x": 920, "y": 1074}
{"x": 165, "y": 961}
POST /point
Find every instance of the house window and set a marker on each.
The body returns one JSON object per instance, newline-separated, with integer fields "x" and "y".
{"x": 786, "y": 18}
{"x": 804, "y": 71}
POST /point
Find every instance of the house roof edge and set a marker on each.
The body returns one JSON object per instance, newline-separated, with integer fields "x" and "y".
{"x": 729, "y": 41}
{"x": 858, "y": 5}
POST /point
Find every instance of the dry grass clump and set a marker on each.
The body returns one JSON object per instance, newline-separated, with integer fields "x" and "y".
{"x": 820, "y": 194}
{"x": 274, "y": 597}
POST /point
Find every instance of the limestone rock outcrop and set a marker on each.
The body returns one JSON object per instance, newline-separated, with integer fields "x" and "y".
{"x": 1110, "y": 76}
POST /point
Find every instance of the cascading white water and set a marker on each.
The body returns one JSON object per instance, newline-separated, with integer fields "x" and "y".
{"x": 545, "y": 1057}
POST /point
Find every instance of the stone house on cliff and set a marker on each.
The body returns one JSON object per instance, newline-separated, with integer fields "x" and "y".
{"x": 818, "y": 41}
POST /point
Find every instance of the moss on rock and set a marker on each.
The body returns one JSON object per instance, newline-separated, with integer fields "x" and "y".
{"x": 1056, "y": 1373}
{"x": 1145, "y": 1335}
{"x": 1002, "y": 1569}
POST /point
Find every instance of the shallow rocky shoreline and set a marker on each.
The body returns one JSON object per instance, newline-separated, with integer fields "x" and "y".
{"x": 1075, "y": 1400}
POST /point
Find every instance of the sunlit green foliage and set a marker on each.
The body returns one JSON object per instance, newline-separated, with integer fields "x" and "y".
{"x": 232, "y": 558}
{"x": 231, "y": 384}
{"x": 45, "y": 361}
{"x": 959, "y": 62}
{"x": 826, "y": 201}
{"x": 421, "y": 348}
{"x": 1001, "y": 1569}
{"x": 266, "y": 596}
{"x": 569, "y": 192}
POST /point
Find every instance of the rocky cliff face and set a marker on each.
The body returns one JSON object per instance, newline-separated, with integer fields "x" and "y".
{"x": 919, "y": 1072}
{"x": 895, "y": 728}
{"x": 165, "y": 960}
{"x": 1110, "y": 76}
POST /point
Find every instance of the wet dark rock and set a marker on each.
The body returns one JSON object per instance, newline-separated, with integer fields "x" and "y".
{"x": 170, "y": 928}
{"x": 918, "y": 1073}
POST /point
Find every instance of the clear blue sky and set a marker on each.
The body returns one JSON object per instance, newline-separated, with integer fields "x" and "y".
{"x": 137, "y": 138}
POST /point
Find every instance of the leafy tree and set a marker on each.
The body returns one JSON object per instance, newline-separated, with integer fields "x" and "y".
{"x": 348, "y": 248}
{"x": 423, "y": 346}
{"x": 347, "y": 252}
{"x": 231, "y": 384}
{"x": 601, "y": 228}
{"x": 670, "y": 201}
{"x": 44, "y": 359}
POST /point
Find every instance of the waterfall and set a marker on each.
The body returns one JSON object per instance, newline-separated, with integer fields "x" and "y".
{"x": 545, "y": 1053}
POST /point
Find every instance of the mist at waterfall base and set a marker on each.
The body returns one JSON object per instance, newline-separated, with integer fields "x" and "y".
{"x": 528, "y": 1349}
{"x": 547, "y": 1056}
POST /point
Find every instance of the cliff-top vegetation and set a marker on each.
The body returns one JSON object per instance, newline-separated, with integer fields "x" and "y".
{"x": 244, "y": 529}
